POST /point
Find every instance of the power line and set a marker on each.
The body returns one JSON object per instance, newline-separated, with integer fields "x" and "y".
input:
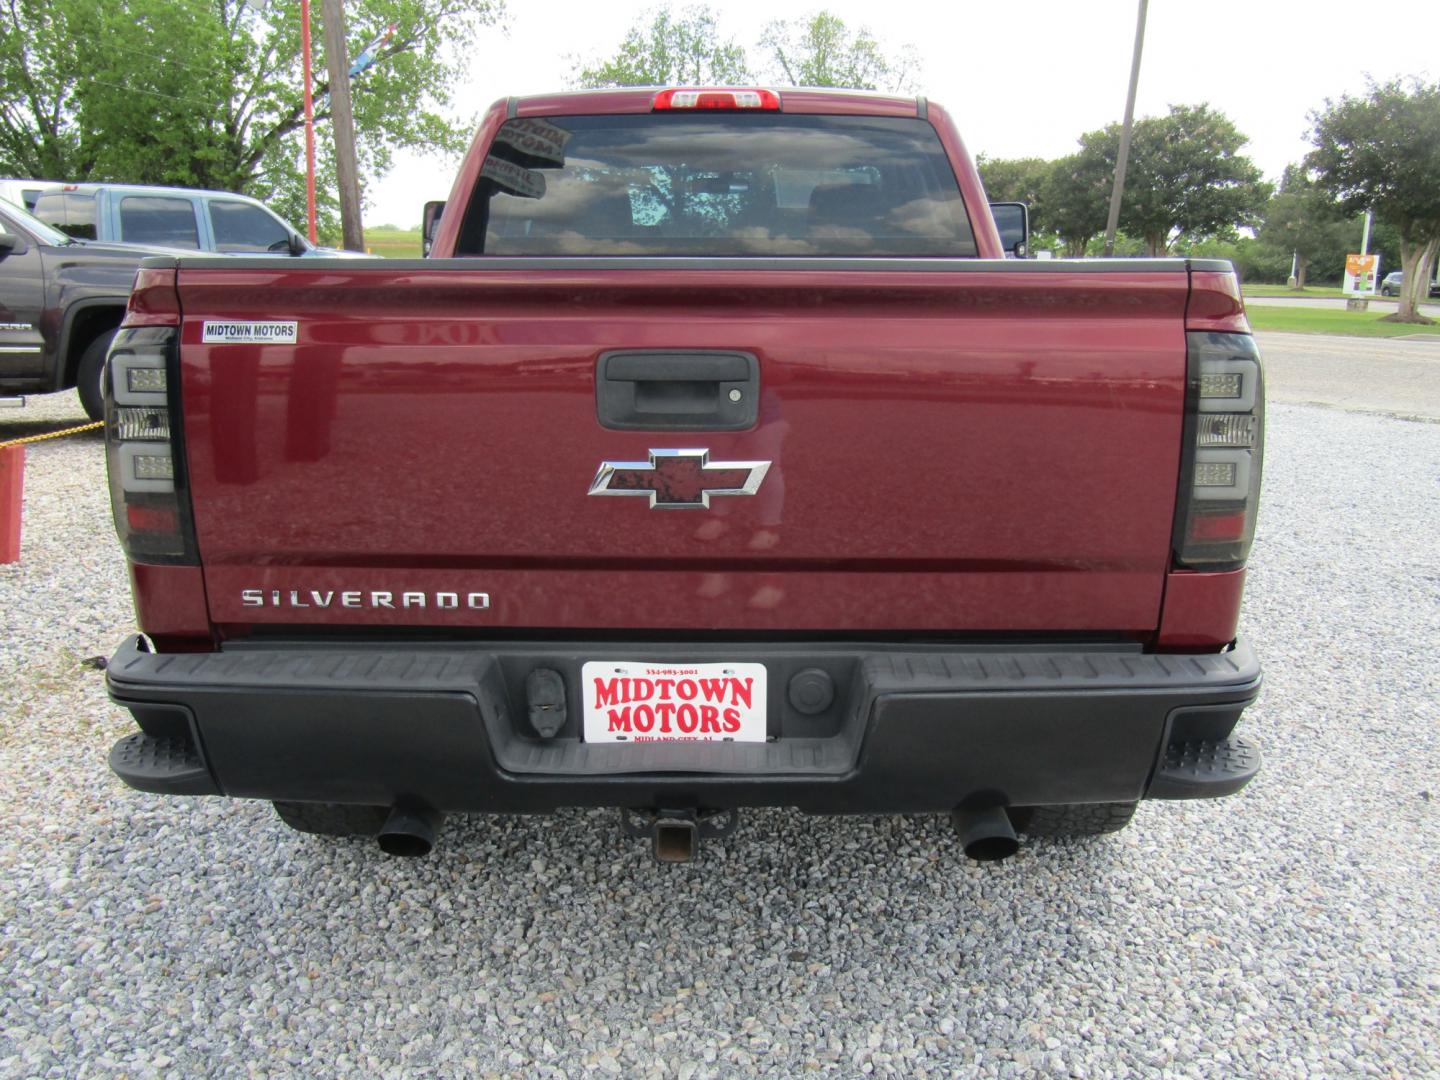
{"x": 205, "y": 102}
{"x": 153, "y": 56}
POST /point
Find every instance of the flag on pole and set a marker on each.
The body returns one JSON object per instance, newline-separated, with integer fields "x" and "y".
{"x": 366, "y": 59}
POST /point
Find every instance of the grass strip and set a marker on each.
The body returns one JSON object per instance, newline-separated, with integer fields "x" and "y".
{"x": 1304, "y": 320}
{"x": 1317, "y": 292}
{"x": 393, "y": 243}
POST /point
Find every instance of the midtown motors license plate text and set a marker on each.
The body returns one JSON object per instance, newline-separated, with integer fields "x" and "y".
{"x": 635, "y": 701}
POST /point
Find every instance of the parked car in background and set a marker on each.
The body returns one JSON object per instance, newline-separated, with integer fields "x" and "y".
{"x": 23, "y": 193}
{"x": 60, "y": 302}
{"x": 1396, "y": 278}
{"x": 183, "y": 218}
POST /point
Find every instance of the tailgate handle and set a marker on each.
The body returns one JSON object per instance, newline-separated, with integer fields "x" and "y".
{"x": 653, "y": 390}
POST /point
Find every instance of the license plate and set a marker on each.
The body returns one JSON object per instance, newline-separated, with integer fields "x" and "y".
{"x": 635, "y": 701}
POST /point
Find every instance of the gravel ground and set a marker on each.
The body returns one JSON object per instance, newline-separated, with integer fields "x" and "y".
{"x": 1291, "y": 931}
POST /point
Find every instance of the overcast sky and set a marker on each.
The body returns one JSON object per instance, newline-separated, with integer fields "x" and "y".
{"x": 1022, "y": 80}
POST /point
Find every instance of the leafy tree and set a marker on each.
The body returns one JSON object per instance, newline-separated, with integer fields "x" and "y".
{"x": 1253, "y": 260}
{"x": 1186, "y": 176}
{"x": 1018, "y": 180}
{"x": 1076, "y": 196}
{"x": 1383, "y": 151}
{"x": 823, "y": 51}
{"x": 1303, "y": 219}
{"x": 208, "y": 94}
{"x": 671, "y": 49}
{"x": 1384, "y": 241}
{"x": 1126, "y": 246}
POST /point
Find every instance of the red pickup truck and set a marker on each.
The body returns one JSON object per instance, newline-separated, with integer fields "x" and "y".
{"x": 717, "y": 458}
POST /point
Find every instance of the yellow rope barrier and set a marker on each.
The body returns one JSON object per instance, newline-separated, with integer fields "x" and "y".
{"x": 53, "y": 434}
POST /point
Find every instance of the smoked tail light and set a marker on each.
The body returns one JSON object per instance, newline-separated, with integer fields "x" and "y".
{"x": 148, "y": 493}
{"x": 1221, "y": 458}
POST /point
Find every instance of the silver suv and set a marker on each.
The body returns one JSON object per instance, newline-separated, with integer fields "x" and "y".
{"x": 218, "y": 221}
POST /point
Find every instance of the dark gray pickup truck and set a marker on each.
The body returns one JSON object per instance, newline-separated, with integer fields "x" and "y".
{"x": 60, "y": 302}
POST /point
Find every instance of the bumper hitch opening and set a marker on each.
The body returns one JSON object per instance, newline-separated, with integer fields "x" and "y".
{"x": 675, "y": 835}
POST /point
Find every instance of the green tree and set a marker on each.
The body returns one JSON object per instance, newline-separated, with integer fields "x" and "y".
{"x": 1018, "y": 180}
{"x": 1253, "y": 260}
{"x": 1186, "y": 176}
{"x": 823, "y": 51}
{"x": 1303, "y": 219}
{"x": 1022, "y": 180}
{"x": 208, "y": 94}
{"x": 671, "y": 49}
{"x": 1384, "y": 241}
{"x": 1382, "y": 151}
{"x": 1076, "y": 196}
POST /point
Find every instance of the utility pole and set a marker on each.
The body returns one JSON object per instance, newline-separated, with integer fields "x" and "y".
{"x": 1124, "y": 156}
{"x": 337, "y": 63}
{"x": 309, "y": 125}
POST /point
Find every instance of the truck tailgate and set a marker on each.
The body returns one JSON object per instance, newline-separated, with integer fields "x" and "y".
{"x": 963, "y": 446}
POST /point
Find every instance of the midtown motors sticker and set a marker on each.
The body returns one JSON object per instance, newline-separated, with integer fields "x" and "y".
{"x": 250, "y": 333}
{"x": 536, "y": 138}
{"x": 640, "y": 702}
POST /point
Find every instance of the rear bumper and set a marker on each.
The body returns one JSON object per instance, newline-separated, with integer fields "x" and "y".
{"x": 911, "y": 729}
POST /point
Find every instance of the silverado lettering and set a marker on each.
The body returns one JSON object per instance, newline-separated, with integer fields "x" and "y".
{"x": 296, "y": 598}
{"x": 965, "y": 532}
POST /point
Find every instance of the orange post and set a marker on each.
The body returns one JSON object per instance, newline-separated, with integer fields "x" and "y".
{"x": 12, "y": 487}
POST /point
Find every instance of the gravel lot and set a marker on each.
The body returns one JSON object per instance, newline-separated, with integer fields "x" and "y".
{"x": 1291, "y": 931}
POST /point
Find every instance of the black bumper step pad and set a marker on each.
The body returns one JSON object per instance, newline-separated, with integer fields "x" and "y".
{"x": 1202, "y": 769}
{"x": 162, "y": 764}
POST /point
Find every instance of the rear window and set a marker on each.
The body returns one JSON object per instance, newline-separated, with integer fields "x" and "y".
{"x": 70, "y": 212}
{"x": 720, "y": 184}
{"x": 148, "y": 219}
{"x": 27, "y": 223}
{"x": 242, "y": 226}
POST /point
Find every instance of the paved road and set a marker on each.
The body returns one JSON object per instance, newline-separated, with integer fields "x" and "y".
{"x": 1432, "y": 310}
{"x": 1401, "y": 378}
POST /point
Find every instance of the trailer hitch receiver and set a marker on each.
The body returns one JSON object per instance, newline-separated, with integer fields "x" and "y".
{"x": 675, "y": 835}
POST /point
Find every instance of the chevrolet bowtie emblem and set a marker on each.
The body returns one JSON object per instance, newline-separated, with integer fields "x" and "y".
{"x": 679, "y": 479}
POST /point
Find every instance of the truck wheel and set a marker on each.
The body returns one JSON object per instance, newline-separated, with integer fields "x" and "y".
{"x": 1082, "y": 819}
{"x": 332, "y": 819}
{"x": 87, "y": 375}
